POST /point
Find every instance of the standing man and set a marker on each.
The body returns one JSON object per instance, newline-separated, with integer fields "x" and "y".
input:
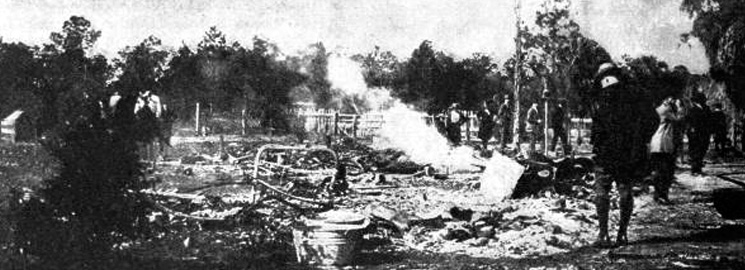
{"x": 557, "y": 124}
{"x": 719, "y": 126}
{"x": 532, "y": 122}
{"x": 505, "y": 121}
{"x": 619, "y": 141}
{"x": 698, "y": 132}
{"x": 454, "y": 120}
{"x": 486, "y": 125}
{"x": 662, "y": 149}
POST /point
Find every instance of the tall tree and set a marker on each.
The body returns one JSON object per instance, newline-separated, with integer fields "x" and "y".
{"x": 482, "y": 80}
{"x": 379, "y": 68}
{"x": 559, "y": 57}
{"x": 92, "y": 202}
{"x": 419, "y": 74}
{"x": 182, "y": 83}
{"x": 140, "y": 67}
{"x": 68, "y": 74}
{"x": 213, "y": 54}
{"x": 264, "y": 83}
{"x": 720, "y": 26}
{"x": 18, "y": 73}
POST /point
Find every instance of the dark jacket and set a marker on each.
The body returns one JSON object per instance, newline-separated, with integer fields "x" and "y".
{"x": 557, "y": 118}
{"x": 620, "y": 132}
{"x": 486, "y": 124}
{"x": 505, "y": 114}
{"x": 698, "y": 120}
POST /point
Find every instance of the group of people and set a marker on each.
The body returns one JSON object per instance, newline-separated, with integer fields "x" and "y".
{"x": 629, "y": 133}
{"x": 496, "y": 122}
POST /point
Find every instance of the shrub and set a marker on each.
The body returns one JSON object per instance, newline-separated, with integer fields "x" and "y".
{"x": 93, "y": 203}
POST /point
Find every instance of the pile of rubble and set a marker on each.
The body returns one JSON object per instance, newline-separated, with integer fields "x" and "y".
{"x": 550, "y": 210}
{"x": 517, "y": 228}
{"x": 525, "y": 228}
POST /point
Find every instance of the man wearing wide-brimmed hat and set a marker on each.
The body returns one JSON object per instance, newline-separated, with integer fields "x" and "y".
{"x": 619, "y": 140}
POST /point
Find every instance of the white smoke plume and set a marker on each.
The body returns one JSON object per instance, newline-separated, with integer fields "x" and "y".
{"x": 407, "y": 130}
{"x": 345, "y": 76}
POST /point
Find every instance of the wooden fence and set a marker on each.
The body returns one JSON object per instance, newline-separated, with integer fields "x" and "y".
{"x": 366, "y": 125}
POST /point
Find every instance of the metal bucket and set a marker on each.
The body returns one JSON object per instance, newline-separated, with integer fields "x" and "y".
{"x": 327, "y": 241}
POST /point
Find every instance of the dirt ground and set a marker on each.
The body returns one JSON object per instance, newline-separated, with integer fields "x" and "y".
{"x": 546, "y": 231}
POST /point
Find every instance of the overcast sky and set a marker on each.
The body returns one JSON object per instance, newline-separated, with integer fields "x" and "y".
{"x": 460, "y": 27}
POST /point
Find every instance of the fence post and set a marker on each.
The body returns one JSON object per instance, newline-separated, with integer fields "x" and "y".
{"x": 336, "y": 123}
{"x": 354, "y": 127}
{"x": 222, "y": 145}
{"x": 468, "y": 126}
{"x": 196, "y": 117}
{"x": 545, "y": 127}
{"x": 243, "y": 122}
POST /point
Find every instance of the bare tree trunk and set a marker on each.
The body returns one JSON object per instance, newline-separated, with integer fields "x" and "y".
{"x": 516, "y": 98}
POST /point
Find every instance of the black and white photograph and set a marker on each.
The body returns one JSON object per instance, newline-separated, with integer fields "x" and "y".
{"x": 372, "y": 134}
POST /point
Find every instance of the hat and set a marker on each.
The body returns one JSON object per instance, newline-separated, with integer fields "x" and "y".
{"x": 607, "y": 81}
{"x": 605, "y": 67}
{"x": 607, "y": 75}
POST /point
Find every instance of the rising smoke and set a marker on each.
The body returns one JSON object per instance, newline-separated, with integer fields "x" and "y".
{"x": 407, "y": 130}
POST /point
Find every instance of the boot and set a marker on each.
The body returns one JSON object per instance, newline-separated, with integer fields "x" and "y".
{"x": 602, "y": 205}
{"x": 627, "y": 207}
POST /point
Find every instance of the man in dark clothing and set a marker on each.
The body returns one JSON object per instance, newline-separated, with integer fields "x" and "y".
{"x": 619, "y": 139}
{"x": 557, "y": 124}
{"x": 440, "y": 123}
{"x": 486, "y": 124}
{"x": 719, "y": 127}
{"x": 698, "y": 132}
{"x": 454, "y": 120}
{"x": 505, "y": 121}
{"x": 532, "y": 125}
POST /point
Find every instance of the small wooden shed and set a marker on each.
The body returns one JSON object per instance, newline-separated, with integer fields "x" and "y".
{"x": 17, "y": 127}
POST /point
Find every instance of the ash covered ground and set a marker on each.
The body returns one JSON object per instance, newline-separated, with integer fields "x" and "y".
{"x": 424, "y": 221}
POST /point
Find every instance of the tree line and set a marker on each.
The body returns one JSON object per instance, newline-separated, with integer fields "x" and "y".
{"x": 51, "y": 81}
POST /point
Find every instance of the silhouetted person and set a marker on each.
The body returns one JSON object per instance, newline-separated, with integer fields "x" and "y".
{"x": 505, "y": 121}
{"x": 719, "y": 127}
{"x": 440, "y": 123}
{"x": 486, "y": 124}
{"x": 619, "y": 142}
{"x": 532, "y": 125}
{"x": 698, "y": 132}
{"x": 558, "y": 118}
{"x": 454, "y": 120}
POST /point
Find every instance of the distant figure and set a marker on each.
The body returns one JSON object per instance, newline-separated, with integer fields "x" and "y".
{"x": 440, "y": 123}
{"x": 532, "y": 125}
{"x": 698, "y": 132}
{"x": 144, "y": 116}
{"x": 486, "y": 125}
{"x": 619, "y": 140}
{"x": 505, "y": 121}
{"x": 148, "y": 110}
{"x": 558, "y": 118}
{"x": 679, "y": 128}
{"x": 662, "y": 149}
{"x": 147, "y": 100}
{"x": 113, "y": 101}
{"x": 719, "y": 127}
{"x": 454, "y": 120}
